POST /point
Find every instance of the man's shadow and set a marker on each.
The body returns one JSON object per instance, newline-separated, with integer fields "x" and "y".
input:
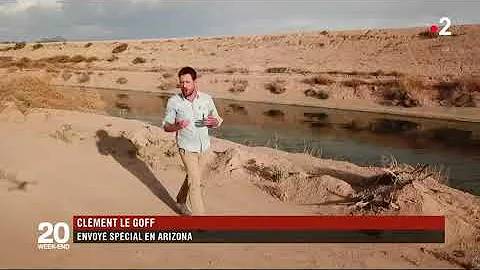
{"x": 125, "y": 153}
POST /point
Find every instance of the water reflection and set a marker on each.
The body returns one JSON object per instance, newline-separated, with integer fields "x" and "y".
{"x": 237, "y": 109}
{"x": 392, "y": 126}
{"x": 277, "y": 114}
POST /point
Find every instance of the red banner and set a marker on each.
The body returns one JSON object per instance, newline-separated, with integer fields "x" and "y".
{"x": 257, "y": 223}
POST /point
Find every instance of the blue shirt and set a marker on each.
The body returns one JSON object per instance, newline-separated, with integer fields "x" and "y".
{"x": 194, "y": 137}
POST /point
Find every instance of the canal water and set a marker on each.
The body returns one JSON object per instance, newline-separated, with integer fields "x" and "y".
{"x": 361, "y": 138}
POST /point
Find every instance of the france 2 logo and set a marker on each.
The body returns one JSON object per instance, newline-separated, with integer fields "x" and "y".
{"x": 53, "y": 236}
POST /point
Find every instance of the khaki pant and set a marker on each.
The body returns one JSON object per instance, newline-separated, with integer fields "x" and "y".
{"x": 191, "y": 191}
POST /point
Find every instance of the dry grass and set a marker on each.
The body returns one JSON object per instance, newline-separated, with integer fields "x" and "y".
{"x": 276, "y": 87}
{"x": 122, "y": 80}
{"x": 238, "y": 86}
{"x": 319, "y": 79}
{"x": 276, "y": 70}
{"x": 26, "y": 63}
{"x": 287, "y": 70}
{"x": 354, "y": 83}
{"x": 232, "y": 70}
{"x": 120, "y": 48}
{"x": 52, "y": 70}
{"x": 462, "y": 92}
{"x": 32, "y": 92}
{"x": 400, "y": 92}
{"x": 275, "y": 173}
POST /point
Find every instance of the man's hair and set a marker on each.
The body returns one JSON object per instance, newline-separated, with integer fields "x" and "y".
{"x": 188, "y": 70}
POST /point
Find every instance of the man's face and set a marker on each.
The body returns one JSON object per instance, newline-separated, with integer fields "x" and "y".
{"x": 187, "y": 84}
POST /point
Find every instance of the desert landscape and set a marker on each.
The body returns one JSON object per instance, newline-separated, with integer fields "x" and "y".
{"x": 63, "y": 154}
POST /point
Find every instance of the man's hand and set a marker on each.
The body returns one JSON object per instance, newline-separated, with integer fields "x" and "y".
{"x": 210, "y": 121}
{"x": 179, "y": 124}
{"x": 182, "y": 123}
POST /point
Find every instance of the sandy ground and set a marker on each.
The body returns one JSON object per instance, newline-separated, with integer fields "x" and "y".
{"x": 52, "y": 168}
{"x": 53, "y": 164}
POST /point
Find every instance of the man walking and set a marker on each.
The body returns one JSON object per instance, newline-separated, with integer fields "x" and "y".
{"x": 190, "y": 114}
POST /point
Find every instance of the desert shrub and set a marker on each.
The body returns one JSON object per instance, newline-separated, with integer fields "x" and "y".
{"x": 120, "y": 48}
{"x": 91, "y": 59}
{"x": 83, "y": 78}
{"x": 461, "y": 92}
{"x": 89, "y": 44}
{"x": 122, "y": 80}
{"x": 66, "y": 75}
{"x": 52, "y": 70}
{"x": 428, "y": 34}
{"x": 24, "y": 62}
{"x": 139, "y": 60}
{"x": 57, "y": 59}
{"x": 276, "y": 87}
{"x": 276, "y": 70}
{"x": 354, "y": 83}
{"x": 320, "y": 94}
{"x": 238, "y": 86}
{"x": 322, "y": 80}
{"x": 383, "y": 73}
{"x": 37, "y": 46}
{"x": 232, "y": 70}
{"x": 77, "y": 59}
{"x": 19, "y": 45}
{"x": 112, "y": 58}
{"x": 398, "y": 96}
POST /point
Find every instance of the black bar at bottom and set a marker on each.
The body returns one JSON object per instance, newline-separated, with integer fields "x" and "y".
{"x": 411, "y": 236}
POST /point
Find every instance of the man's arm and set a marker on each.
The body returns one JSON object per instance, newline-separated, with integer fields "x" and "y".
{"x": 176, "y": 126}
{"x": 170, "y": 123}
{"x": 213, "y": 120}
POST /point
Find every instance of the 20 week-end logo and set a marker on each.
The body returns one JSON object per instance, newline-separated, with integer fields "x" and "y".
{"x": 53, "y": 236}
